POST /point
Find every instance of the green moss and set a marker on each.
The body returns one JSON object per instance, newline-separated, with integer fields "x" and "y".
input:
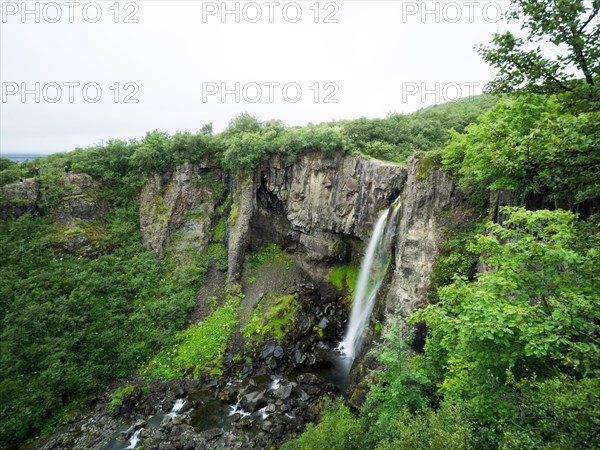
{"x": 201, "y": 347}
{"x": 218, "y": 234}
{"x": 344, "y": 277}
{"x": 428, "y": 161}
{"x": 266, "y": 254}
{"x": 233, "y": 215}
{"x": 199, "y": 213}
{"x": 274, "y": 318}
{"x": 335, "y": 247}
{"x": 126, "y": 394}
{"x": 160, "y": 209}
{"x": 94, "y": 231}
{"x": 16, "y": 202}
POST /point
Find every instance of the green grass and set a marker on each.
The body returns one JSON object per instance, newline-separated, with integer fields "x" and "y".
{"x": 274, "y": 318}
{"x": 201, "y": 347}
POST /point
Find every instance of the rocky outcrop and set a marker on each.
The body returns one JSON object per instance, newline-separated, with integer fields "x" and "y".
{"x": 74, "y": 205}
{"x": 431, "y": 205}
{"x": 80, "y": 201}
{"x": 240, "y": 218}
{"x": 184, "y": 201}
{"x": 313, "y": 205}
{"x": 320, "y": 206}
{"x": 19, "y": 198}
{"x": 80, "y": 215}
{"x": 341, "y": 195}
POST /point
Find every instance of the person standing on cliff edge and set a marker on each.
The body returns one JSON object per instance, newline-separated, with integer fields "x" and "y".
{"x": 36, "y": 172}
{"x": 67, "y": 173}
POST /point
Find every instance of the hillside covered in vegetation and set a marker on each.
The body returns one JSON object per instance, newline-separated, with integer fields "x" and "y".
{"x": 513, "y": 315}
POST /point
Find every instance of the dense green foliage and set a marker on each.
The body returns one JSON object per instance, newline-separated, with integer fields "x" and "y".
{"x": 200, "y": 348}
{"x": 69, "y": 324}
{"x": 531, "y": 145}
{"x": 529, "y": 324}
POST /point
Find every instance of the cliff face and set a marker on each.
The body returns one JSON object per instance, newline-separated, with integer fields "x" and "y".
{"x": 320, "y": 207}
{"x": 431, "y": 205}
{"x": 181, "y": 202}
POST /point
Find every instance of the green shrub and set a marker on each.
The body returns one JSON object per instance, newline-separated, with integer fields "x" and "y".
{"x": 337, "y": 430}
{"x": 218, "y": 234}
{"x": 200, "y": 348}
{"x": 125, "y": 394}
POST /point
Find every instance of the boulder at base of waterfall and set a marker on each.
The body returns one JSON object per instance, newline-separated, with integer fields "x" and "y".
{"x": 253, "y": 401}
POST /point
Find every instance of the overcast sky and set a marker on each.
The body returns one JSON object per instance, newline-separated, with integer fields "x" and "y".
{"x": 76, "y": 73}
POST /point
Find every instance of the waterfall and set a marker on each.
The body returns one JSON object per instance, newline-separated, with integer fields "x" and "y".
{"x": 372, "y": 272}
{"x": 133, "y": 441}
{"x": 176, "y": 407}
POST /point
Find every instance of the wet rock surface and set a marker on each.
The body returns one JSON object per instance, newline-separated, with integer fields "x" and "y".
{"x": 268, "y": 410}
{"x": 255, "y": 405}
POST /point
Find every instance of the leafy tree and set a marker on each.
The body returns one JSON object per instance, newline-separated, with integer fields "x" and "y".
{"x": 244, "y": 123}
{"x": 527, "y": 326}
{"x": 206, "y": 130}
{"x": 528, "y": 145}
{"x": 338, "y": 430}
{"x": 397, "y": 137}
{"x": 566, "y": 34}
{"x": 245, "y": 151}
{"x": 152, "y": 155}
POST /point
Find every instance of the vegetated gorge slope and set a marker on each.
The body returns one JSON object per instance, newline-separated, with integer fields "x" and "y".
{"x": 277, "y": 252}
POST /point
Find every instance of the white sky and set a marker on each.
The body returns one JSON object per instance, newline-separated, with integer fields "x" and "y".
{"x": 380, "y": 57}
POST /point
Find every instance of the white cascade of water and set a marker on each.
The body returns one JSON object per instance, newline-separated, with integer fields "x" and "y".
{"x": 237, "y": 409}
{"x": 176, "y": 407}
{"x": 133, "y": 440}
{"x": 370, "y": 278}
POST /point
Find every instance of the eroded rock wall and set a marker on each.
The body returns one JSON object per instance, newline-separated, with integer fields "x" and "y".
{"x": 431, "y": 206}
{"x": 314, "y": 206}
{"x": 182, "y": 201}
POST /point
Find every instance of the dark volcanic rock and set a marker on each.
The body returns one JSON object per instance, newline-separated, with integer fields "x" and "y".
{"x": 253, "y": 401}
